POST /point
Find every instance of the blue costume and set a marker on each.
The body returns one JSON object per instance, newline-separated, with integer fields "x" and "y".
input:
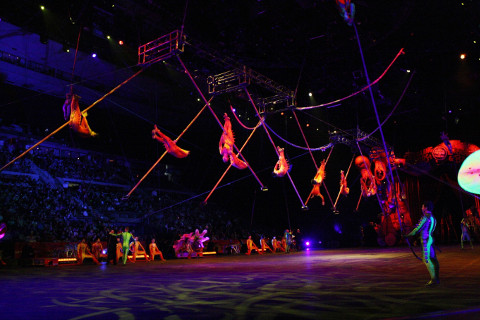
{"x": 425, "y": 228}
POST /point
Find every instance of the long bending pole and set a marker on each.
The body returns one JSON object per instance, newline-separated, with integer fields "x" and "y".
{"x": 378, "y": 122}
{"x": 218, "y": 120}
{"x": 274, "y": 147}
{"x": 68, "y": 122}
{"x": 163, "y": 155}
{"x": 230, "y": 165}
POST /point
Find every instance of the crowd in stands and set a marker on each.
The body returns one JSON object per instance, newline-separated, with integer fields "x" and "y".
{"x": 35, "y": 209}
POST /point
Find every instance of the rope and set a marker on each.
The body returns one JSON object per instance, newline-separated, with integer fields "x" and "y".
{"x": 240, "y": 122}
{"x": 305, "y": 139}
{"x": 355, "y": 93}
{"x": 393, "y": 110}
{"x": 323, "y": 148}
{"x": 346, "y": 175}
{"x": 75, "y": 58}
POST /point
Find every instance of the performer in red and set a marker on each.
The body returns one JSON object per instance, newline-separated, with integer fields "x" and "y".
{"x": 264, "y": 245}
{"x": 138, "y": 249}
{"x": 84, "y": 252}
{"x": 252, "y": 246}
{"x": 97, "y": 249}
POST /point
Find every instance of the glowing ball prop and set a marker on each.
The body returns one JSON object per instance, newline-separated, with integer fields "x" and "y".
{"x": 469, "y": 173}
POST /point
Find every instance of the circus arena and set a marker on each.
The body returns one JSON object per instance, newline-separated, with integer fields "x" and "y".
{"x": 300, "y": 159}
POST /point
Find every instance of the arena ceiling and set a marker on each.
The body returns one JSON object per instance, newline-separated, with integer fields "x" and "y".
{"x": 302, "y": 45}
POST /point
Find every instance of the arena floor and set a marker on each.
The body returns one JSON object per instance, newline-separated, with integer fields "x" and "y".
{"x": 380, "y": 283}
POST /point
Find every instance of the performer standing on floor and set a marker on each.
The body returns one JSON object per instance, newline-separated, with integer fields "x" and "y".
{"x": 425, "y": 228}
{"x": 126, "y": 236}
{"x": 111, "y": 247}
{"x": 288, "y": 240}
{"x": 465, "y": 226}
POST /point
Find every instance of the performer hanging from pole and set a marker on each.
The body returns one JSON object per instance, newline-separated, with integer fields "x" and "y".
{"x": 425, "y": 228}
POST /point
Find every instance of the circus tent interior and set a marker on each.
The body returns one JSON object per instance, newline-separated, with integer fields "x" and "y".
{"x": 386, "y": 97}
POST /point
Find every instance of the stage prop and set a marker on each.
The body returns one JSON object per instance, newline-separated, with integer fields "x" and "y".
{"x": 469, "y": 173}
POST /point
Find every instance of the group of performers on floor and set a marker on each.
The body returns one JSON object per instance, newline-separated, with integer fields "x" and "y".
{"x": 286, "y": 244}
{"x": 119, "y": 245}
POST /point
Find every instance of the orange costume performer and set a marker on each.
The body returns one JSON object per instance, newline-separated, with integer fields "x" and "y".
{"x": 97, "y": 249}
{"x": 276, "y": 245}
{"x": 154, "y": 251}
{"x": 119, "y": 251}
{"x": 169, "y": 144}
{"x": 282, "y": 166}
{"x": 226, "y": 143}
{"x": 137, "y": 250}
{"x": 317, "y": 182}
{"x": 344, "y": 189}
{"x": 264, "y": 245}
{"x": 78, "y": 121}
{"x": 252, "y": 246}
{"x": 84, "y": 252}
{"x": 367, "y": 181}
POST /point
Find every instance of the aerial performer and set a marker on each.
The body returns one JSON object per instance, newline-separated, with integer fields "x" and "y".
{"x": 347, "y": 10}
{"x": 225, "y": 145}
{"x": 78, "y": 121}
{"x": 367, "y": 181}
{"x": 282, "y": 166}
{"x": 169, "y": 144}
{"x": 425, "y": 228}
{"x": 317, "y": 182}
{"x": 344, "y": 189}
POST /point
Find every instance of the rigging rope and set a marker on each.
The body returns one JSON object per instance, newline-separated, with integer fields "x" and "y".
{"x": 240, "y": 122}
{"x": 393, "y": 110}
{"x": 323, "y": 148}
{"x": 355, "y": 93}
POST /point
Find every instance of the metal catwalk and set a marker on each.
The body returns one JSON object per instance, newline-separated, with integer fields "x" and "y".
{"x": 362, "y": 283}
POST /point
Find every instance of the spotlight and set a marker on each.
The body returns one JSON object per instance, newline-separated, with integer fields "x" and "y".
{"x": 94, "y": 55}
{"x": 42, "y": 8}
{"x": 463, "y": 56}
{"x": 108, "y": 37}
{"x": 310, "y": 94}
{"x": 120, "y": 42}
{"x": 307, "y": 243}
